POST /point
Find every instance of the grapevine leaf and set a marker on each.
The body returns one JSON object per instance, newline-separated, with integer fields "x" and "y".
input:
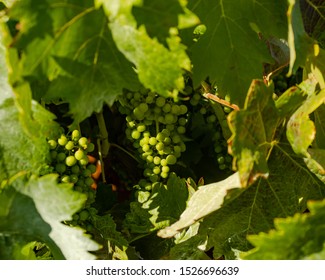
{"x": 158, "y": 17}
{"x": 38, "y": 208}
{"x": 298, "y": 237}
{"x": 313, "y": 14}
{"x": 226, "y": 39}
{"x": 298, "y": 40}
{"x": 138, "y": 48}
{"x": 162, "y": 207}
{"x": 33, "y": 149}
{"x": 6, "y": 90}
{"x": 320, "y": 127}
{"x": 60, "y": 48}
{"x": 116, "y": 243}
{"x": 253, "y": 130}
{"x": 285, "y": 192}
{"x": 205, "y": 200}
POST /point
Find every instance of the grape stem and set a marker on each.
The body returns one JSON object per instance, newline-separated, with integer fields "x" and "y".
{"x": 103, "y": 134}
{"x": 215, "y": 98}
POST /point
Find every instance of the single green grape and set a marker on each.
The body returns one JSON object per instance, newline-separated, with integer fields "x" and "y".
{"x": 90, "y": 147}
{"x": 53, "y": 144}
{"x": 75, "y": 169}
{"x": 83, "y": 142}
{"x": 70, "y": 161}
{"x": 62, "y": 140}
{"x": 160, "y": 101}
{"x": 61, "y": 156}
{"x": 92, "y": 168}
{"x": 79, "y": 154}
{"x": 135, "y": 134}
{"x": 84, "y": 161}
{"x": 84, "y": 215}
{"x": 171, "y": 159}
{"x": 75, "y": 135}
{"x": 60, "y": 168}
{"x": 69, "y": 146}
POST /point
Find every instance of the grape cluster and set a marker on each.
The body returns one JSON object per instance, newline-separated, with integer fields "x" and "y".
{"x": 211, "y": 124}
{"x": 69, "y": 159}
{"x": 156, "y": 128}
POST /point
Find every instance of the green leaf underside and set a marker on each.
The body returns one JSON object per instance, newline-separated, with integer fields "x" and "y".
{"x": 38, "y": 208}
{"x": 205, "y": 200}
{"x": 299, "y": 237}
{"x": 282, "y": 194}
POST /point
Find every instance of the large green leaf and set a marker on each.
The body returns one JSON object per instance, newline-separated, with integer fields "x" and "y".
{"x": 86, "y": 68}
{"x": 222, "y": 53}
{"x": 299, "y": 237}
{"x": 159, "y": 68}
{"x": 21, "y": 151}
{"x": 34, "y": 211}
{"x": 253, "y": 131}
{"x": 285, "y": 192}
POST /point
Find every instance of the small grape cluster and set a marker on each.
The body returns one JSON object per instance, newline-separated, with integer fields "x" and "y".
{"x": 155, "y": 126}
{"x": 70, "y": 160}
{"x": 211, "y": 123}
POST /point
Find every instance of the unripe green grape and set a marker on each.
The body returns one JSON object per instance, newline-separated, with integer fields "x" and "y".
{"x": 60, "y": 168}
{"x": 89, "y": 181}
{"x": 160, "y": 146}
{"x": 161, "y": 119}
{"x": 86, "y": 173}
{"x": 62, "y": 140}
{"x": 183, "y": 147}
{"x": 156, "y": 160}
{"x": 143, "y": 107}
{"x": 182, "y": 109}
{"x": 163, "y": 162}
{"x": 73, "y": 178}
{"x": 216, "y": 135}
{"x": 181, "y": 129}
{"x": 182, "y": 121}
{"x": 203, "y": 111}
{"x": 139, "y": 115}
{"x": 75, "y": 169}
{"x": 90, "y": 147}
{"x": 83, "y": 215}
{"x": 221, "y": 160}
{"x": 177, "y": 149}
{"x": 171, "y": 159}
{"x": 65, "y": 179}
{"x": 160, "y": 136}
{"x": 156, "y": 170}
{"x": 147, "y": 172}
{"x": 69, "y": 146}
{"x": 141, "y": 127}
{"x": 83, "y": 142}
{"x": 167, "y": 150}
{"x": 211, "y": 119}
{"x": 218, "y": 149}
{"x": 70, "y": 161}
{"x": 149, "y": 99}
{"x": 165, "y": 169}
{"x": 53, "y": 144}
{"x": 175, "y": 109}
{"x": 92, "y": 168}
{"x": 80, "y": 182}
{"x": 144, "y": 141}
{"x": 152, "y": 141}
{"x": 167, "y": 140}
{"x": 84, "y": 161}
{"x": 146, "y": 134}
{"x": 169, "y": 118}
{"x": 153, "y": 178}
{"x": 146, "y": 148}
{"x": 135, "y": 134}
{"x": 164, "y": 175}
{"x": 79, "y": 189}
{"x": 166, "y": 132}
{"x": 167, "y": 108}
{"x": 79, "y": 154}
{"x": 157, "y": 110}
{"x": 61, "y": 156}
{"x": 149, "y": 158}
{"x": 160, "y": 101}
{"x": 75, "y": 135}
{"x": 176, "y": 139}
{"x": 170, "y": 127}
{"x": 222, "y": 166}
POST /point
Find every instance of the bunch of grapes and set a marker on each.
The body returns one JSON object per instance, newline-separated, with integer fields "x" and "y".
{"x": 70, "y": 160}
{"x": 156, "y": 128}
{"x": 209, "y": 121}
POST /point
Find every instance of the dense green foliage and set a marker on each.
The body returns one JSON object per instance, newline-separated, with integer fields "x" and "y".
{"x": 165, "y": 129}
